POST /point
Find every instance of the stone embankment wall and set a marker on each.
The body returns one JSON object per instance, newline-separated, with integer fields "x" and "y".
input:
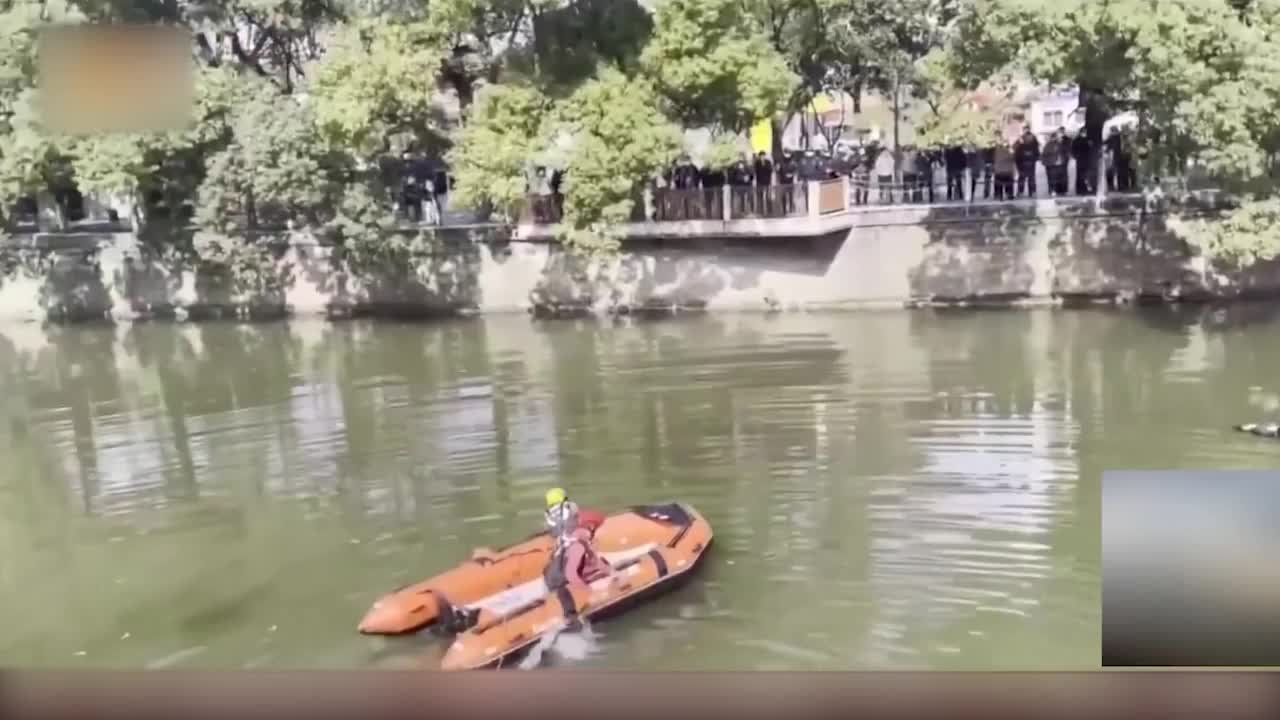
{"x": 1035, "y": 252}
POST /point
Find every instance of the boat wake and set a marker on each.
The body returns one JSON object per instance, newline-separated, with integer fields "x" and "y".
{"x": 573, "y": 645}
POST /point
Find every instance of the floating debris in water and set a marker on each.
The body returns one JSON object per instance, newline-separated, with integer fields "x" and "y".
{"x": 126, "y": 636}
{"x": 272, "y": 628}
{"x": 81, "y": 653}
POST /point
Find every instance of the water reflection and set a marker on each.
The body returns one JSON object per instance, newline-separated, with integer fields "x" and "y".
{"x": 888, "y": 489}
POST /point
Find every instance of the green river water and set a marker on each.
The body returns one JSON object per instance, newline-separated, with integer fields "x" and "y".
{"x": 888, "y": 489}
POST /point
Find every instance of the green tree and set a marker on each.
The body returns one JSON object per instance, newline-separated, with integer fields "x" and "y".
{"x": 715, "y": 66}
{"x": 491, "y": 155}
{"x": 275, "y": 169}
{"x": 475, "y": 37}
{"x": 571, "y": 40}
{"x": 30, "y": 159}
{"x": 1201, "y": 74}
{"x": 374, "y": 91}
{"x": 618, "y": 137}
{"x": 953, "y": 114}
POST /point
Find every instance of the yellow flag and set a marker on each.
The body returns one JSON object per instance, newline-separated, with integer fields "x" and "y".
{"x": 823, "y": 103}
{"x": 762, "y": 136}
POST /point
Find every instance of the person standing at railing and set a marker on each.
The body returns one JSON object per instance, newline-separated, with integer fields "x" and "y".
{"x": 430, "y": 203}
{"x": 989, "y": 166}
{"x": 956, "y": 161}
{"x": 1110, "y": 149}
{"x": 540, "y": 188}
{"x": 762, "y": 168}
{"x": 1055, "y": 163}
{"x": 740, "y": 181}
{"x": 411, "y": 196}
{"x": 1027, "y": 154}
{"x": 687, "y": 179}
{"x": 1119, "y": 161}
{"x": 827, "y": 166}
{"x": 1129, "y": 168}
{"x": 974, "y": 161}
{"x": 910, "y": 178}
{"x": 883, "y": 164}
{"x": 860, "y": 176}
{"x": 711, "y": 200}
{"x": 1082, "y": 151}
{"x": 805, "y": 166}
{"x": 929, "y": 160}
{"x": 1064, "y": 162}
{"x": 557, "y": 199}
{"x": 834, "y": 165}
{"x": 687, "y": 175}
{"x": 787, "y": 169}
{"x": 1005, "y": 166}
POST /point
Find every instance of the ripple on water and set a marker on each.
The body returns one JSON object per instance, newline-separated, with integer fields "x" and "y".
{"x": 887, "y": 490}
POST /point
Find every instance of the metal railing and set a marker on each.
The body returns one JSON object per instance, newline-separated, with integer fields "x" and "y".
{"x": 769, "y": 201}
{"x": 681, "y": 205}
{"x": 866, "y": 190}
{"x": 845, "y": 194}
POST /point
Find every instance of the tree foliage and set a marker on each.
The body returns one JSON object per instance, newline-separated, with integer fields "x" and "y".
{"x": 491, "y": 158}
{"x": 376, "y": 87}
{"x": 30, "y": 159}
{"x": 1201, "y": 74}
{"x": 714, "y": 65}
{"x": 304, "y": 106}
{"x": 616, "y": 134}
{"x": 954, "y": 115}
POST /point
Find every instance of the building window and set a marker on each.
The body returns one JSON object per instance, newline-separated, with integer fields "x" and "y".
{"x": 1053, "y": 118}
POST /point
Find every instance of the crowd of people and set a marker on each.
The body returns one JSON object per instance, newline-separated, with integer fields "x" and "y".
{"x": 1002, "y": 169}
{"x": 424, "y": 187}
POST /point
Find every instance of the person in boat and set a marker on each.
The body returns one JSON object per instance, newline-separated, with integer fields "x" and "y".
{"x": 561, "y": 514}
{"x": 575, "y": 562}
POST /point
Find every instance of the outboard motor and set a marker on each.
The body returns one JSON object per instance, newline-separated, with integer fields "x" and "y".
{"x": 454, "y": 620}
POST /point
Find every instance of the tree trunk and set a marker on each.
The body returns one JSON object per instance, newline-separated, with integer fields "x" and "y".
{"x": 897, "y": 120}
{"x": 776, "y": 129}
{"x": 1096, "y": 115}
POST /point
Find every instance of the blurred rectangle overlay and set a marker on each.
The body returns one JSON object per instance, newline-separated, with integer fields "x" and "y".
{"x": 571, "y": 694}
{"x": 115, "y": 78}
{"x": 1191, "y": 568}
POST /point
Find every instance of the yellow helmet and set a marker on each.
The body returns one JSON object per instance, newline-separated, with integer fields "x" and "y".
{"x": 555, "y": 496}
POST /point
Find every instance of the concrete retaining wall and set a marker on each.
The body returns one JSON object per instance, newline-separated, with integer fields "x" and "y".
{"x": 1046, "y": 251}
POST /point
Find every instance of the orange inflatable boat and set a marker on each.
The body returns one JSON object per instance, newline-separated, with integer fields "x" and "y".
{"x": 498, "y": 604}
